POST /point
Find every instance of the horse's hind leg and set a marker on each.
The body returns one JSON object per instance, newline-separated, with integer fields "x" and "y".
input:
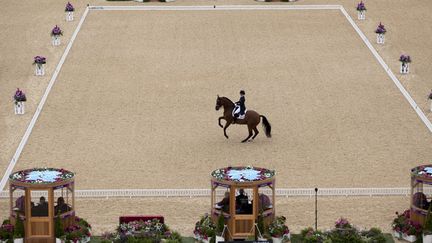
{"x": 256, "y": 132}
{"x": 250, "y": 135}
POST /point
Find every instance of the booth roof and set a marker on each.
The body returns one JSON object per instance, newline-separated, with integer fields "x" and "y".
{"x": 41, "y": 175}
{"x": 242, "y": 174}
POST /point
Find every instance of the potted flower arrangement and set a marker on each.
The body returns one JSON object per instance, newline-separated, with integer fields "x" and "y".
{"x": 18, "y": 230}
{"x": 380, "y": 31}
{"x": 278, "y": 230}
{"x": 399, "y": 223}
{"x": 40, "y": 62}
{"x": 309, "y": 235}
{"x": 78, "y": 232}
{"x": 344, "y": 232}
{"x": 405, "y": 61}
{"x": 69, "y": 9}
{"x": 19, "y": 98}
{"x": 427, "y": 227}
{"x": 6, "y": 231}
{"x": 411, "y": 231}
{"x": 56, "y": 32}
{"x": 204, "y": 229}
{"x": 361, "y": 10}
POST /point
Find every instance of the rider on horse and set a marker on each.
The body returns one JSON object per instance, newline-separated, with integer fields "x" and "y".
{"x": 241, "y": 105}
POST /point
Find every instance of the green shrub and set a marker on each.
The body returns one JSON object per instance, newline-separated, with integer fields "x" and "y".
{"x": 19, "y": 228}
{"x": 58, "y": 227}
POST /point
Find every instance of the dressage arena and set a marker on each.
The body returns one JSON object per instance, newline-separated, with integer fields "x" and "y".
{"x": 133, "y": 106}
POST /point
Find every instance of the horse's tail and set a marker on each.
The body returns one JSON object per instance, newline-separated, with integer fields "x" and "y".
{"x": 266, "y": 126}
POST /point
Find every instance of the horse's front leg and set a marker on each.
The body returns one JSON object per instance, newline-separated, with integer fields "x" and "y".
{"x": 225, "y": 128}
{"x": 220, "y": 118}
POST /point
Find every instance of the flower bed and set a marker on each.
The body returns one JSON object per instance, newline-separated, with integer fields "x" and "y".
{"x": 242, "y": 173}
{"x": 143, "y": 231}
{"x": 405, "y": 59}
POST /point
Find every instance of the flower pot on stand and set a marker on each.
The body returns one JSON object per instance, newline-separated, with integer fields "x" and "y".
{"x": 40, "y": 69}
{"x": 380, "y": 38}
{"x": 19, "y": 240}
{"x": 361, "y": 15}
{"x": 56, "y": 40}
{"x": 404, "y": 69}
{"x": 409, "y": 238}
{"x": 19, "y": 110}
{"x": 427, "y": 238}
{"x": 69, "y": 16}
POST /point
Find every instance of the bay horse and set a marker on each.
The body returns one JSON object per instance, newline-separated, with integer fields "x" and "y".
{"x": 252, "y": 118}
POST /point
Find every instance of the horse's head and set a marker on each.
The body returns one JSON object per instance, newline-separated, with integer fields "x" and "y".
{"x": 218, "y": 103}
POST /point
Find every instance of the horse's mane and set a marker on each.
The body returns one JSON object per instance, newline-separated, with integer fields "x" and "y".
{"x": 223, "y": 97}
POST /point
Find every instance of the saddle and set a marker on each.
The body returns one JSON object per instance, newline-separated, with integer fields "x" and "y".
{"x": 237, "y": 111}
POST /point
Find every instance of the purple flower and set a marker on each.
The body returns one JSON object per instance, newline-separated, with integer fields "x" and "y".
{"x": 380, "y": 29}
{"x": 361, "y": 6}
{"x": 19, "y": 96}
{"x": 405, "y": 58}
{"x": 69, "y": 7}
{"x": 39, "y": 60}
{"x": 56, "y": 31}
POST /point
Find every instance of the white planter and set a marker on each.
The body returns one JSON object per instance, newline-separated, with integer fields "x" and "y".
{"x": 431, "y": 105}
{"x": 58, "y": 240}
{"x": 261, "y": 239}
{"x": 40, "y": 69}
{"x": 69, "y": 16}
{"x": 397, "y": 234}
{"x": 55, "y": 40}
{"x": 219, "y": 239}
{"x": 361, "y": 15}
{"x": 277, "y": 240}
{"x": 19, "y": 108}
{"x": 19, "y": 240}
{"x": 409, "y": 238}
{"x": 206, "y": 241}
{"x": 427, "y": 238}
{"x": 404, "y": 68}
{"x": 380, "y": 38}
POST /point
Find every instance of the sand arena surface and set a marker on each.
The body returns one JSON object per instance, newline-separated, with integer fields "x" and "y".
{"x": 133, "y": 106}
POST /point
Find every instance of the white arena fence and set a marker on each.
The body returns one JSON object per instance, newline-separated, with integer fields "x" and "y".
{"x": 282, "y": 192}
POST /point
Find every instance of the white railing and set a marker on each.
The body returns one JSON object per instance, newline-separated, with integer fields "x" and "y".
{"x": 283, "y": 192}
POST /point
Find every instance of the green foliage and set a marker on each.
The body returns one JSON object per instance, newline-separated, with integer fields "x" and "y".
{"x": 220, "y": 224}
{"x": 427, "y": 227}
{"x": 260, "y": 224}
{"x": 19, "y": 228}
{"x": 58, "y": 227}
{"x": 309, "y": 235}
{"x": 374, "y": 235}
